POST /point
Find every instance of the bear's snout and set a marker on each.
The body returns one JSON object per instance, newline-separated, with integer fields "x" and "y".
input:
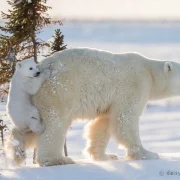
{"x": 37, "y": 74}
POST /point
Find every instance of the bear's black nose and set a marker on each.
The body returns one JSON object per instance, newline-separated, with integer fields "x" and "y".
{"x": 37, "y": 74}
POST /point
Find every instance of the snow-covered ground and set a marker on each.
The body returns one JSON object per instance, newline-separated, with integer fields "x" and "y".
{"x": 159, "y": 129}
{"x": 159, "y": 125}
{"x": 166, "y": 168}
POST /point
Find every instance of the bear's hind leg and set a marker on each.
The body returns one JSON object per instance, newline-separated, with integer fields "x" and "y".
{"x": 97, "y": 134}
{"x": 15, "y": 146}
{"x": 124, "y": 126}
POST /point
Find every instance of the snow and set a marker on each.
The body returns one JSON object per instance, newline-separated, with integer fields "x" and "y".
{"x": 166, "y": 168}
{"x": 159, "y": 125}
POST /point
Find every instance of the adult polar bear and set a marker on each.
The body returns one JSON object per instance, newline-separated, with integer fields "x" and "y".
{"x": 110, "y": 89}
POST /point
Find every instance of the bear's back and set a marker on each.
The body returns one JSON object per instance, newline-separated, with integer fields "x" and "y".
{"x": 85, "y": 58}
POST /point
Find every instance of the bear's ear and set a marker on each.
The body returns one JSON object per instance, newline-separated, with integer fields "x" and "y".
{"x": 168, "y": 67}
{"x": 18, "y": 65}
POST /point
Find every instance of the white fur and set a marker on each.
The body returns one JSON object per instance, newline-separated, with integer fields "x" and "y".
{"x": 16, "y": 145}
{"x": 110, "y": 89}
{"x": 24, "y": 84}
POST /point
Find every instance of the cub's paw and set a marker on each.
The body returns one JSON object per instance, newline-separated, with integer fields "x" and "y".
{"x": 36, "y": 126}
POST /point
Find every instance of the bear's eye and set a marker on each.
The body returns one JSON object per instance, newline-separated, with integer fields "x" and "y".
{"x": 31, "y": 68}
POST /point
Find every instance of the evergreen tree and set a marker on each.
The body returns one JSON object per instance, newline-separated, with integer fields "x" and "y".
{"x": 58, "y": 42}
{"x": 7, "y": 61}
{"x": 23, "y": 22}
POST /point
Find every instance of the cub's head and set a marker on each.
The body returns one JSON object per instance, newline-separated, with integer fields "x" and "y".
{"x": 28, "y": 68}
{"x": 172, "y": 76}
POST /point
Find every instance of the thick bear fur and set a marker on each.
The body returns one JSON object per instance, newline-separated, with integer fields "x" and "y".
{"x": 25, "y": 82}
{"x": 111, "y": 90}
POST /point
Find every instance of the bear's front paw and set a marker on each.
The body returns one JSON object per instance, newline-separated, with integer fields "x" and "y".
{"x": 104, "y": 157}
{"x": 55, "y": 161}
{"x": 141, "y": 154}
{"x": 111, "y": 157}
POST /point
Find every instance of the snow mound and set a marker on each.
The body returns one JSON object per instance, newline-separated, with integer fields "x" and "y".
{"x": 165, "y": 168}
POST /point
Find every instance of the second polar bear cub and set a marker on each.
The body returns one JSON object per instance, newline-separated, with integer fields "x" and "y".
{"x": 25, "y": 82}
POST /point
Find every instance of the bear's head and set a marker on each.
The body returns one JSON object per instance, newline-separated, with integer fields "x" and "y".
{"x": 27, "y": 68}
{"x": 172, "y": 78}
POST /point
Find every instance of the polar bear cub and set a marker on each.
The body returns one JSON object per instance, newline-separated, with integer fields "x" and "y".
{"x": 25, "y": 82}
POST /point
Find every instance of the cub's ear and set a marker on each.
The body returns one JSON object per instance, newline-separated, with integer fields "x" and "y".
{"x": 168, "y": 67}
{"x": 18, "y": 65}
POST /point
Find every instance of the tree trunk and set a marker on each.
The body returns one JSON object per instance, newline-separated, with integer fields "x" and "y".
{"x": 34, "y": 35}
{"x": 34, "y": 48}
